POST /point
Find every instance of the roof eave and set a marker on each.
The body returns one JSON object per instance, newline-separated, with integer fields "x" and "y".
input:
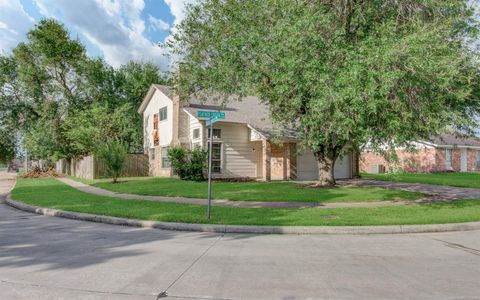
{"x": 146, "y": 99}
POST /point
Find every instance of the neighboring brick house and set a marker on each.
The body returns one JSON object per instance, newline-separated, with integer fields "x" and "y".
{"x": 446, "y": 152}
{"x": 245, "y": 145}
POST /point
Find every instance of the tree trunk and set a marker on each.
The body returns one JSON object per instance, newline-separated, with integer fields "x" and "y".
{"x": 326, "y": 164}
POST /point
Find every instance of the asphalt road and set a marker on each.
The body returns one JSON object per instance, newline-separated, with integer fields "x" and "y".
{"x": 52, "y": 258}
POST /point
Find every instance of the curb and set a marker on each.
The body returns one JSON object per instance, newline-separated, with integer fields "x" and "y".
{"x": 357, "y": 230}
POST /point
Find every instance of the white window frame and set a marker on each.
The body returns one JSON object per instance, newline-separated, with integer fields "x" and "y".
{"x": 161, "y": 111}
{"x": 164, "y": 161}
{"x": 218, "y": 130}
{"x": 196, "y": 130}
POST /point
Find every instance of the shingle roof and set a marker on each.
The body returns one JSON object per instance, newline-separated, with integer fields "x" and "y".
{"x": 165, "y": 89}
{"x": 453, "y": 140}
{"x": 248, "y": 110}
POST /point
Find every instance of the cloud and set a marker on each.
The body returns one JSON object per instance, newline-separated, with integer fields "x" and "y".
{"x": 157, "y": 24}
{"x": 115, "y": 27}
{"x": 14, "y": 24}
{"x": 177, "y": 8}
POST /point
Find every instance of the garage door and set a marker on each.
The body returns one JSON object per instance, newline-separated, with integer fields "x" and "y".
{"x": 307, "y": 168}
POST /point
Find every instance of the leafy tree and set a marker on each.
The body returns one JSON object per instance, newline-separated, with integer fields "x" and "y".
{"x": 136, "y": 78}
{"x": 342, "y": 73}
{"x": 113, "y": 154}
{"x": 7, "y": 145}
{"x": 48, "y": 87}
{"x": 87, "y": 128}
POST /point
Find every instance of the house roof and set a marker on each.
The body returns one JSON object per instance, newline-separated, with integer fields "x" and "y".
{"x": 248, "y": 110}
{"x": 163, "y": 88}
{"x": 455, "y": 140}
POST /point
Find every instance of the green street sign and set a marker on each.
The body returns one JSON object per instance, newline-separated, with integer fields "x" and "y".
{"x": 211, "y": 114}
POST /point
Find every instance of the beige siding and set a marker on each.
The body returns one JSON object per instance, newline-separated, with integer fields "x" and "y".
{"x": 239, "y": 155}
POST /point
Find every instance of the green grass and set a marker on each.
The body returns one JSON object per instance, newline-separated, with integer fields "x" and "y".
{"x": 48, "y": 192}
{"x": 251, "y": 191}
{"x": 461, "y": 179}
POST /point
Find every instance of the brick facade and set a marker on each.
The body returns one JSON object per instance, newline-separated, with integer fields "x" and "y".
{"x": 424, "y": 160}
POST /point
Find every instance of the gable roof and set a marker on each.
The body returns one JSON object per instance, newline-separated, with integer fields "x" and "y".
{"x": 248, "y": 110}
{"x": 162, "y": 88}
{"x": 455, "y": 140}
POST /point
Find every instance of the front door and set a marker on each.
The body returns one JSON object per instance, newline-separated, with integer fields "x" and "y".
{"x": 463, "y": 160}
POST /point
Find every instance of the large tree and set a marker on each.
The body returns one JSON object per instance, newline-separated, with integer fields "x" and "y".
{"x": 342, "y": 73}
{"x": 55, "y": 95}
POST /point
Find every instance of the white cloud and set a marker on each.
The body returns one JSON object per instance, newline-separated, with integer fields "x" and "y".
{"x": 14, "y": 24}
{"x": 177, "y": 8}
{"x": 114, "y": 26}
{"x": 157, "y": 24}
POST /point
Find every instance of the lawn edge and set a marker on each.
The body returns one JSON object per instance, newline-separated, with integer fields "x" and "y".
{"x": 250, "y": 229}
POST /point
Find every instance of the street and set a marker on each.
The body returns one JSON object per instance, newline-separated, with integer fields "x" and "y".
{"x": 52, "y": 258}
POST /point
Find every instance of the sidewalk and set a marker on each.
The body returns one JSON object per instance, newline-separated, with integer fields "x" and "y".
{"x": 435, "y": 193}
{"x": 7, "y": 180}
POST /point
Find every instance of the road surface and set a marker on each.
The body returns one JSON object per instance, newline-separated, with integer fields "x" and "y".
{"x": 53, "y": 258}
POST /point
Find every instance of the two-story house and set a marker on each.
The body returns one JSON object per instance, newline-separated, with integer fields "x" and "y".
{"x": 246, "y": 144}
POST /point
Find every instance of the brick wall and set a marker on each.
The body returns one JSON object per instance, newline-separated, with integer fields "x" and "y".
{"x": 422, "y": 161}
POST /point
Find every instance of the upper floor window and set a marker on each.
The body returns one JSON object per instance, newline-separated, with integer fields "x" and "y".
{"x": 196, "y": 133}
{"x": 217, "y": 133}
{"x": 163, "y": 113}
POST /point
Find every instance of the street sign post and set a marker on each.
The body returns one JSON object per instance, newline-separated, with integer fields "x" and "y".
{"x": 212, "y": 117}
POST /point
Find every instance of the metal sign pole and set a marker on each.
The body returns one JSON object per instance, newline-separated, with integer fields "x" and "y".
{"x": 210, "y": 170}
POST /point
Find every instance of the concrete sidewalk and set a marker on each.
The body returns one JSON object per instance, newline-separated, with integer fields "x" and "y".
{"x": 7, "y": 181}
{"x": 434, "y": 193}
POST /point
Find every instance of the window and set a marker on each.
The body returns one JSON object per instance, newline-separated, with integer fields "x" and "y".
{"x": 196, "y": 133}
{"x": 448, "y": 157}
{"x": 165, "y": 160}
{"x": 152, "y": 153}
{"x": 217, "y": 133}
{"x": 216, "y": 158}
{"x": 478, "y": 159}
{"x": 163, "y": 113}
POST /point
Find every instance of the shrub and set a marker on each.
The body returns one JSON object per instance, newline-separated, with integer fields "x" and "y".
{"x": 113, "y": 154}
{"x": 188, "y": 164}
{"x": 38, "y": 172}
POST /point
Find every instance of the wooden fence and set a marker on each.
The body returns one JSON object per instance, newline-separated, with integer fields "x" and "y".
{"x": 90, "y": 167}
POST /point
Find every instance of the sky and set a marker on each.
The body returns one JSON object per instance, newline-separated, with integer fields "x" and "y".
{"x": 117, "y": 30}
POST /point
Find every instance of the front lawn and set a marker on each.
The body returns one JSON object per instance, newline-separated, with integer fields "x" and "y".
{"x": 253, "y": 191}
{"x": 49, "y": 192}
{"x": 461, "y": 179}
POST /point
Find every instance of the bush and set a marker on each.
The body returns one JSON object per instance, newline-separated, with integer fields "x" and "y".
{"x": 113, "y": 154}
{"x": 37, "y": 172}
{"x": 188, "y": 164}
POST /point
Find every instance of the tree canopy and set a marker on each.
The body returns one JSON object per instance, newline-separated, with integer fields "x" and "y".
{"x": 62, "y": 102}
{"x": 342, "y": 73}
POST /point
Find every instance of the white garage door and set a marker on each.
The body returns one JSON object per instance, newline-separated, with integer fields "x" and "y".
{"x": 307, "y": 168}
